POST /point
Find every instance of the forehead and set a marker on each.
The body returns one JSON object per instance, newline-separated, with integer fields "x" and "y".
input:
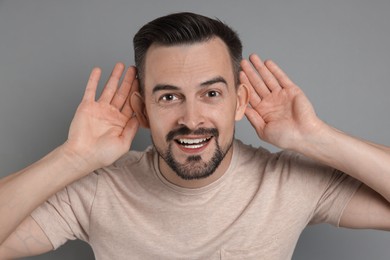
{"x": 187, "y": 64}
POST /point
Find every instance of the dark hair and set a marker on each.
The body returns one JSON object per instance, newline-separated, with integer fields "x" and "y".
{"x": 184, "y": 28}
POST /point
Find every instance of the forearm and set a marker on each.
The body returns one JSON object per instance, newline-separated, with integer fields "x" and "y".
{"x": 101, "y": 131}
{"x": 363, "y": 160}
{"x": 22, "y": 192}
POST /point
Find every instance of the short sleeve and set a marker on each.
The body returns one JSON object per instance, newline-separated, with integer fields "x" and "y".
{"x": 319, "y": 192}
{"x": 338, "y": 191}
{"x": 65, "y": 216}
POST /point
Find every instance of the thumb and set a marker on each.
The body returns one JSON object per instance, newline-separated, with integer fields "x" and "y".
{"x": 130, "y": 130}
{"x": 256, "y": 120}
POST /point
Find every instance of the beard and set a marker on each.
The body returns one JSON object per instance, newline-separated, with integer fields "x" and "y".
{"x": 194, "y": 167}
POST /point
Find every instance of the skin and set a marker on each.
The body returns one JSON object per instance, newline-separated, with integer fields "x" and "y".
{"x": 100, "y": 132}
{"x": 277, "y": 104}
{"x": 103, "y": 129}
{"x": 182, "y": 90}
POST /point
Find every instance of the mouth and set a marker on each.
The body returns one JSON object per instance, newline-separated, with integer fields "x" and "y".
{"x": 193, "y": 143}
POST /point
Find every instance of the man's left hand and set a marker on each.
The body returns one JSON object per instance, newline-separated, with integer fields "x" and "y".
{"x": 279, "y": 111}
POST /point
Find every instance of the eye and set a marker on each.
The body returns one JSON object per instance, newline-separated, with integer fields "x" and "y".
{"x": 168, "y": 98}
{"x": 213, "y": 93}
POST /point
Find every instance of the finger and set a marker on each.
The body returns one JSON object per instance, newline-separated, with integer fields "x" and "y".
{"x": 135, "y": 83}
{"x": 279, "y": 74}
{"x": 127, "y": 110}
{"x": 124, "y": 91}
{"x": 254, "y": 79}
{"x": 93, "y": 81}
{"x": 130, "y": 130}
{"x": 268, "y": 78}
{"x": 256, "y": 120}
{"x": 112, "y": 83}
{"x": 254, "y": 98}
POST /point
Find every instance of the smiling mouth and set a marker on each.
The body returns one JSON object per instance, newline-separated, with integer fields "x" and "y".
{"x": 193, "y": 143}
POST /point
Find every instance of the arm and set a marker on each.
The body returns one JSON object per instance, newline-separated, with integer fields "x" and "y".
{"x": 27, "y": 240}
{"x": 283, "y": 116}
{"x": 101, "y": 131}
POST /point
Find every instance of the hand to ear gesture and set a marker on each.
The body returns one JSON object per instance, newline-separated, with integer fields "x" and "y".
{"x": 102, "y": 130}
{"x": 279, "y": 111}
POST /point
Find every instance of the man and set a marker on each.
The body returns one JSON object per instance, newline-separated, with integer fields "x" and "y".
{"x": 197, "y": 193}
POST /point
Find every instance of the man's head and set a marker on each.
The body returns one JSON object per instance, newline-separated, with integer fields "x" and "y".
{"x": 191, "y": 97}
{"x": 180, "y": 29}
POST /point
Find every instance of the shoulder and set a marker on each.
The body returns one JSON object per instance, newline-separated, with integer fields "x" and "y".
{"x": 282, "y": 163}
{"x": 249, "y": 155}
{"x": 131, "y": 161}
{"x": 134, "y": 158}
{"x": 133, "y": 169}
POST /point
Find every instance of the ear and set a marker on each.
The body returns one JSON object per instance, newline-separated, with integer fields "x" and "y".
{"x": 138, "y": 105}
{"x": 242, "y": 101}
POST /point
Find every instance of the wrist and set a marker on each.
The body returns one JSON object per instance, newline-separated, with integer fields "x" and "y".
{"x": 313, "y": 139}
{"x": 80, "y": 161}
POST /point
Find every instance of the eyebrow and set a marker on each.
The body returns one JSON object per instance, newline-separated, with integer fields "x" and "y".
{"x": 218, "y": 79}
{"x": 160, "y": 87}
{"x": 212, "y": 81}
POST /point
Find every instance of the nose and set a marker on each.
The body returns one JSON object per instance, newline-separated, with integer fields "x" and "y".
{"x": 192, "y": 115}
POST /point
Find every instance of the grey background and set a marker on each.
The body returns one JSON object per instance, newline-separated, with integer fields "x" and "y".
{"x": 337, "y": 51}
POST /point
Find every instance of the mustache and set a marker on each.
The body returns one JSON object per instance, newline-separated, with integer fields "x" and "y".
{"x": 186, "y": 131}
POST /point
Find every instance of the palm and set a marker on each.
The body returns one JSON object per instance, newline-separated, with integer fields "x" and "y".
{"x": 102, "y": 130}
{"x": 280, "y": 112}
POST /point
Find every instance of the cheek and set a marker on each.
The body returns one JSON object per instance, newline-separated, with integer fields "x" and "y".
{"x": 160, "y": 124}
{"x": 224, "y": 120}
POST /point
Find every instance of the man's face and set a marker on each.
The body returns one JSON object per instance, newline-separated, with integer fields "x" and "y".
{"x": 191, "y": 104}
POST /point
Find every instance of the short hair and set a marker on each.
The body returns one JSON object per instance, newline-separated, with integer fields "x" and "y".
{"x": 184, "y": 28}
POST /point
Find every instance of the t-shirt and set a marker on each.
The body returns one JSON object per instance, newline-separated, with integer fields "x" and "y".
{"x": 256, "y": 210}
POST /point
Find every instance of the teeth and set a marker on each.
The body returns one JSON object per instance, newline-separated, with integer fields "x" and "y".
{"x": 196, "y": 146}
{"x": 192, "y": 141}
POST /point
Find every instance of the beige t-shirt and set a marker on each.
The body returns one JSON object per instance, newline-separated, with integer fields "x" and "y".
{"x": 256, "y": 210}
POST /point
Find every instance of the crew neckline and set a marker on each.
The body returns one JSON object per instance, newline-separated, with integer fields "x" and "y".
{"x": 196, "y": 191}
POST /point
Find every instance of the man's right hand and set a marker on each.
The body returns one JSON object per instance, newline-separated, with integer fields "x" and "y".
{"x": 102, "y": 130}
